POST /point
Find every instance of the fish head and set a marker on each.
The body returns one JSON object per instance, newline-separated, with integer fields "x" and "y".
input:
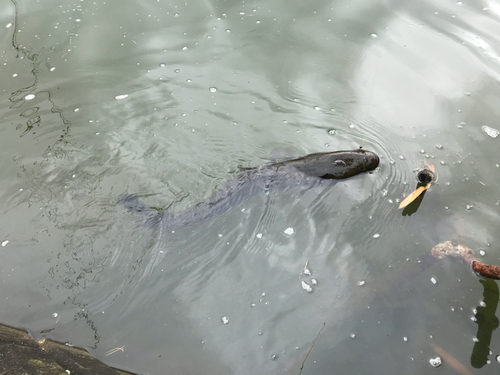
{"x": 344, "y": 164}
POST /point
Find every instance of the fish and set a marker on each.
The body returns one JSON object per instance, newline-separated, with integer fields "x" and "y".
{"x": 308, "y": 171}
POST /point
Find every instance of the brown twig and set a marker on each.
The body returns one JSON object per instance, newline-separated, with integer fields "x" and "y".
{"x": 462, "y": 252}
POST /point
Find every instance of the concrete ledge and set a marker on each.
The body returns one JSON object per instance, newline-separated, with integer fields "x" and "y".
{"x": 21, "y": 355}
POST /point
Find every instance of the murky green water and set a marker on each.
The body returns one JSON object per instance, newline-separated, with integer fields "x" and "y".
{"x": 167, "y": 99}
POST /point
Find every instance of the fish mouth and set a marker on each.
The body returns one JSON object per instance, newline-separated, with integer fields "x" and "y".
{"x": 369, "y": 159}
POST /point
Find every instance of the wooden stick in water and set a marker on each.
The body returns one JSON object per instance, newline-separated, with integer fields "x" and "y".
{"x": 458, "y": 251}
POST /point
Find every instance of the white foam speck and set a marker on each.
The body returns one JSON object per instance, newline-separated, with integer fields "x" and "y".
{"x": 435, "y": 362}
{"x": 120, "y": 97}
{"x": 493, "y": 133}
{"x": 306, "y": 287}
{"x": 289, "y": 231}
{"x": 4, "y": 243}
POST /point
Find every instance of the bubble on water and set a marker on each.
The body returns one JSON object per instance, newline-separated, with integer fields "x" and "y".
{"x": 306, "y": 287}
{"x": 120, "y": 97}
{"x": 475, "y": 339}
{"x": 433, "y": 280}
{"x": 317, "y": 108}
{"x": 392, "y": 161}
{"x": 373, "y": 35}
{"x": 332, "y": 131}
{"x": 252, "y": 304}
{"x": 401, "y": 157}
{"x": 353, "y": 335}
{"x": 493, "y": 133}
{"x": 405, "y": 338}
{"x": 29, "y": 97}
{"x": 14, "y": 75}
{"x": 482, "y": 304}
{"x": 4, "y": 243}
{"x": 289, "y": 231}
{"x": 376, "y": 235}
{"x": 273, "y": 357}
{"x": 52, "y": 69}
{"x": 55, "y": 315}
{"x": 224, "y": 320}
{"x": 435, "y": 362}
{"x": 8, "y": 25}
{"x": 213, "y": 89}
{"x": 422, "y": 151}
{"x": 439, "y": 146}
{"x": 361, "y": 283}
{"x": 351, "y": 126}
{"x": 498, "y": 358}
{"x": 442, "y": 162}
{"x": 258, "y": 235}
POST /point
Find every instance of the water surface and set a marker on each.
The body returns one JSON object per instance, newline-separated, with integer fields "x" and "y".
{"x": 168, "y": 100}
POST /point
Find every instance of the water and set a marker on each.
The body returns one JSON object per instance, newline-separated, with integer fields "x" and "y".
{"x": 168, "y": 100}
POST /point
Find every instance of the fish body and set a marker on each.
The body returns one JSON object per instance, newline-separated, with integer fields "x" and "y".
{"x": 307, "y": 171}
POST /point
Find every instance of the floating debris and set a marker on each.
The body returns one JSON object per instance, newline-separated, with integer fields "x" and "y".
{"x": 289, "y": 231}
{"x": 435, "y": 362}
{"x": 112, "y": 351}
{"x": 493, "y": 133}
{"x": 361, "y": 283}
{"x": 306, "y": 287}
{"x": 456, "y": 250}
{"x": 426, "y": 177}
{"x": 224, "y": 320}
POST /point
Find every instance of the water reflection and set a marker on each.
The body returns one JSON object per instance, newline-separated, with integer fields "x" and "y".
{"x": 212, "y": 86}
{"x": 487, "y": 322}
